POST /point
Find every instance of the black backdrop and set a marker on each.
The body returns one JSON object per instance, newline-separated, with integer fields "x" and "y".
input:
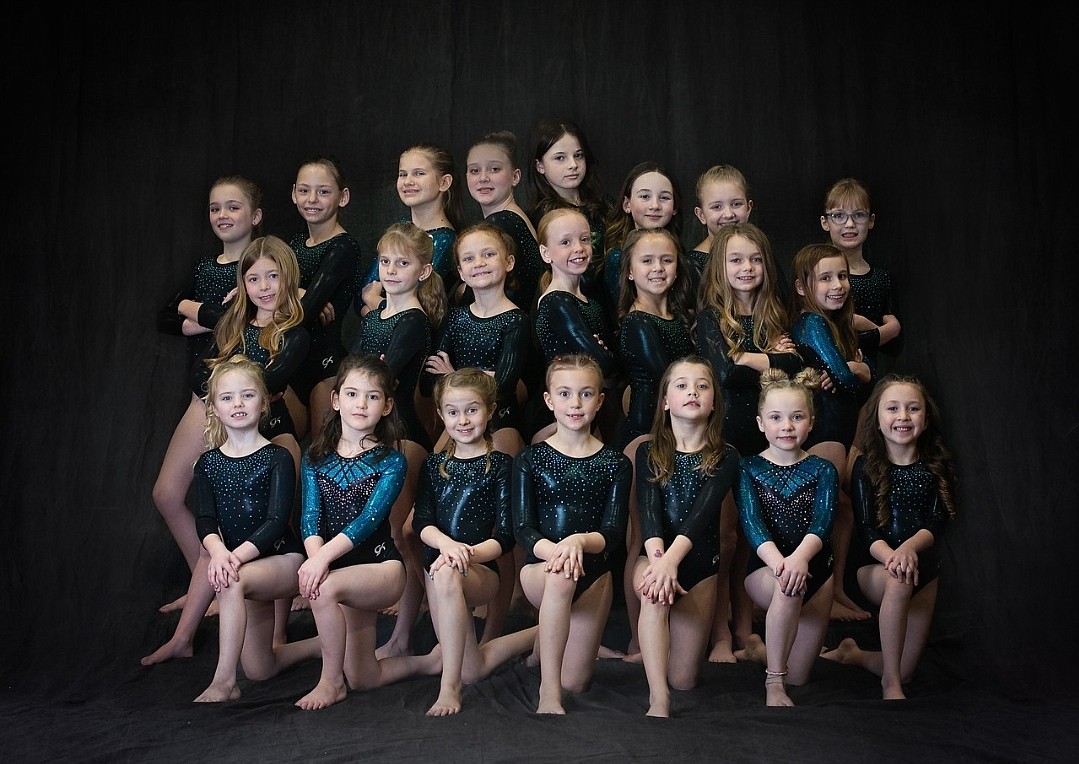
{"x": 957, "y": 117}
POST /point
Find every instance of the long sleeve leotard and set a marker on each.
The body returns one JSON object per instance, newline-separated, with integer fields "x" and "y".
{"x": 554, "y": 496}
{"x": 687, "y": 505}
{"x": 472, "y": 505}
{"x": 741, "y": 385}
{"x": 247, "y": 498}
{"x": 353, "y": 496}
{"x": 785, "y": 503}
{"x": 915, "y": 503}
{"x": 874, "y": 299}
{"x": 209, "y": 285}
{"x": 528, "y": 266}
{"x": 566, "y": 324}
{"x": 648, "y": 344}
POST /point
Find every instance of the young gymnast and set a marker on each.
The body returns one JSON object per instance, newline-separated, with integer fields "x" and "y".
{"x": 244, "y": 488}
{"x": 786, "y": 498}
{"x": 742, "y": 330}
{"x": 265, "y": 323}
{"x": 426, "y": 185}
{"x": 492, "y": 174}
{"x": 565, "y": 173}
{"x": 650, "y": 199}
{"x": 823, "y": 331}
{"x": 350, "y": 478}
{"x": 329, "y": 259}
{"x": 490, "y": 333}
{"x": 904, "y": 493}
{"x": 848, "y": 219}
{"x": 400, "y": 332}
{"x": 682, "y": 475}
{"x": 463, "y": 517}
{"x": 235, "y": 217}
{"x": 569, "y": 495}
{"x": 722, "y": 199}
{"x": 566, "y": 320}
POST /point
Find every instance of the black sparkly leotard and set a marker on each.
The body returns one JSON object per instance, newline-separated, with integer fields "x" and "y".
{"x": 472, "y": 505}
{"x": 836, "y": 409}
{"x": 528, "y": 266}
{"x": 873, "y": 298}
{"x": 565, "y": 324}
{"x": 554, "y": 496}
{"x": 915, "y": 503}
{"x": 648, "y": 344}
{"x": 210, "y": 283}
{"x": 328, "y": 274}
{"x": 741, "y": 385}
{"x": 277, "y": 372}
{"x": 404, "y": 339}
{"x": 353, "y": 496}
{"x": 688, "y": 505}
{"x": 498, "y": 343}
{"x": 247, "y": 498}
{"x": 784, "y": 504}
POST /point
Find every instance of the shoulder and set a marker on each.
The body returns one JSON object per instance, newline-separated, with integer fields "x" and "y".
{"x": 821, "y": 466}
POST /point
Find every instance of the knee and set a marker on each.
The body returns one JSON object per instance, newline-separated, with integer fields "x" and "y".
{"x": 577, "y": 686}
{"x": 447, "y": 581}
{"x": 682, "y": 679}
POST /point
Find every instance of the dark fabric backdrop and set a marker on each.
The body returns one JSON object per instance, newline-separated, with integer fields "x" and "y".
{"x": 958, "y": 117}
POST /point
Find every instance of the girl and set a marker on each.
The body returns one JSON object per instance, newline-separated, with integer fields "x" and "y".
{"x": 650, "y": 199}
{"x": 567, "y": 321}
{"x": 329, "y": 259}
{"x": 235, "y": 217}
{"x": 722, "y": 199}
{"x": 823, "y": 331}
{"x": 848, "y": 220}
{"x": 264, "y": 323}
{"x": 569, "y": 508}
{"x": 350, "y": 478}
{"x": 564, "y": 173}
{"x": 903, "y": 490}
{"x": 399, "y": 332}
{"x": 492, "y": 175}
{"x": 741, "y": 330}
{"x": 426, "y": 185}
{"x": 243, "y": 489}
{"x": 655, "y": 313}
{"x": 463, "y": 517}
{"x": 682, "y": 475}
{"x": 491, "y": 333}
{"x": 786, "y": 498}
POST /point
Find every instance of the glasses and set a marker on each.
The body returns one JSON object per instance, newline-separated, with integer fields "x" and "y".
{"x": 840, "y": 217}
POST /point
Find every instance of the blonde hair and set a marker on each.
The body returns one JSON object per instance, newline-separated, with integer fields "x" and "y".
{"x": 215, "y": 432}
{"x": 413, "y": 240}
{"x": 486, "y": 389}
{"x": 807, "y": 381}
{"x": 573, "y": 362}
{"x": 544, "y": 226}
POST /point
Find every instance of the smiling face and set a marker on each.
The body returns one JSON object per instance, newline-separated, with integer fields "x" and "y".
{"x": 237, "y": 402}
{"x": 465, "y": 417}
{"x": 262, "y": 282}
{"x": 418, "y": 181}
{"x": 744, "y": 266}
{"x": 482, "y": 261}
{"x": 785, "y": 420}
{"x": 901, "y": 416}
{"x": 689, "y": 394}
{"x": 567, "y": 243}
{"x": 490, "y": 175}
{"x": 575, "y": 396}
{"x": 317, "y": 195}
{"x": 564, "y": 167}
{"x": 361, "y": 404}
{"x": 830, "y": 286}
{"x": 651, "y": 201}
{"x": 722, "y": 203}
{"x": 231, "y": 214}
{"x": 653, "y": 264}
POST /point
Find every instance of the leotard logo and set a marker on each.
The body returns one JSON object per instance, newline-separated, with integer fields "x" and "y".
{"x": 327, "y": 361}
{"x": 380, "y": 549}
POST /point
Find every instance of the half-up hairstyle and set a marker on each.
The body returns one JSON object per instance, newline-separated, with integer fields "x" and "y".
{"x": 410, "y": 239}
{"x": 215, "y": 431}
{"x": 486, "y": 389}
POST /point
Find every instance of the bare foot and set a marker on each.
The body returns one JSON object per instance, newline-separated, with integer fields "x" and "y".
{"x": 391, "y": 610}
{"x": 893, "y": 692}
{"x": 300, "y": 603}
{"x": 448, "y": 703}
{"x": 754, "y": 650}
{"x": 213, "y": 609}
{"x": 659, "y": 708}
{"x": 609, "y": 653}
{"x": 324, "y": 695}
{"x": 722, "y": 652}
{"x": 776, "y": 695}
{"x": 848, "y": 613}
{"x": 633, "y": 657}
{"x": 841, "y": 653}
{"x": 176, "y": 604}
{"x": 174, "y": 648}
{"x": 393, "y": 649}
{"x": 219, "y": 692}
{"x": 550, "y": 705}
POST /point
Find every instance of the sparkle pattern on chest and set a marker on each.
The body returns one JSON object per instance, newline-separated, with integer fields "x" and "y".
{"x": 787, "y": 494}
{"x": 344, "y": 495}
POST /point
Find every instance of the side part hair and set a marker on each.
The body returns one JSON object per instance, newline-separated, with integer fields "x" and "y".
{"x": 840, "y": 322}
{"x": 543, "y": 226}
{"x": 250, "y": 189}
{"x": 389, "y": 431}
{"x": 593, "y": 199}
{"x": 332, "y": 165}
{"x": 215, "y": 431}
{"x": 680, "y": 298}
{"x": 486, "y": 389}
{"x": 664, "y": 446}
{"x": 411, "y": 239}
{"x": 505, "y": 243}
{"x": 932, "y": 450}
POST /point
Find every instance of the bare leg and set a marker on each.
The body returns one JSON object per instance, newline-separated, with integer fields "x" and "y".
{"x": 297, "y": 411}
{"x": 320, "y": 404}
{"x": 633, "y": 547}
{"x": 654, "y": 634}
{"x": 199, "y": 596}
{"x": 721, "y": 639}
{"x": 508, "y": 441}
{"x": 553, "y": 596}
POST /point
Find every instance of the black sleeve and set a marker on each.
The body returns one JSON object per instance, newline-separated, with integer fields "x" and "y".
{"x": 205, "y": 502}
{"x": 337, "y": 267}
{"x": 211, "y": 313}
{"x": 279, "y": 504}
{"x": 709, "y": 499}
{"x": 865, "y": 511}
{"x": 289, "y": 358}
{"x": 713, "y": 346}
{"x": 575, "y": 335}
{"x": 169, "y": 321}
{"x": 511, "y": 358}
{"x": 642, "y": 342}
{"x": 408, "y": 339}
{"x": 649, "y": 498}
